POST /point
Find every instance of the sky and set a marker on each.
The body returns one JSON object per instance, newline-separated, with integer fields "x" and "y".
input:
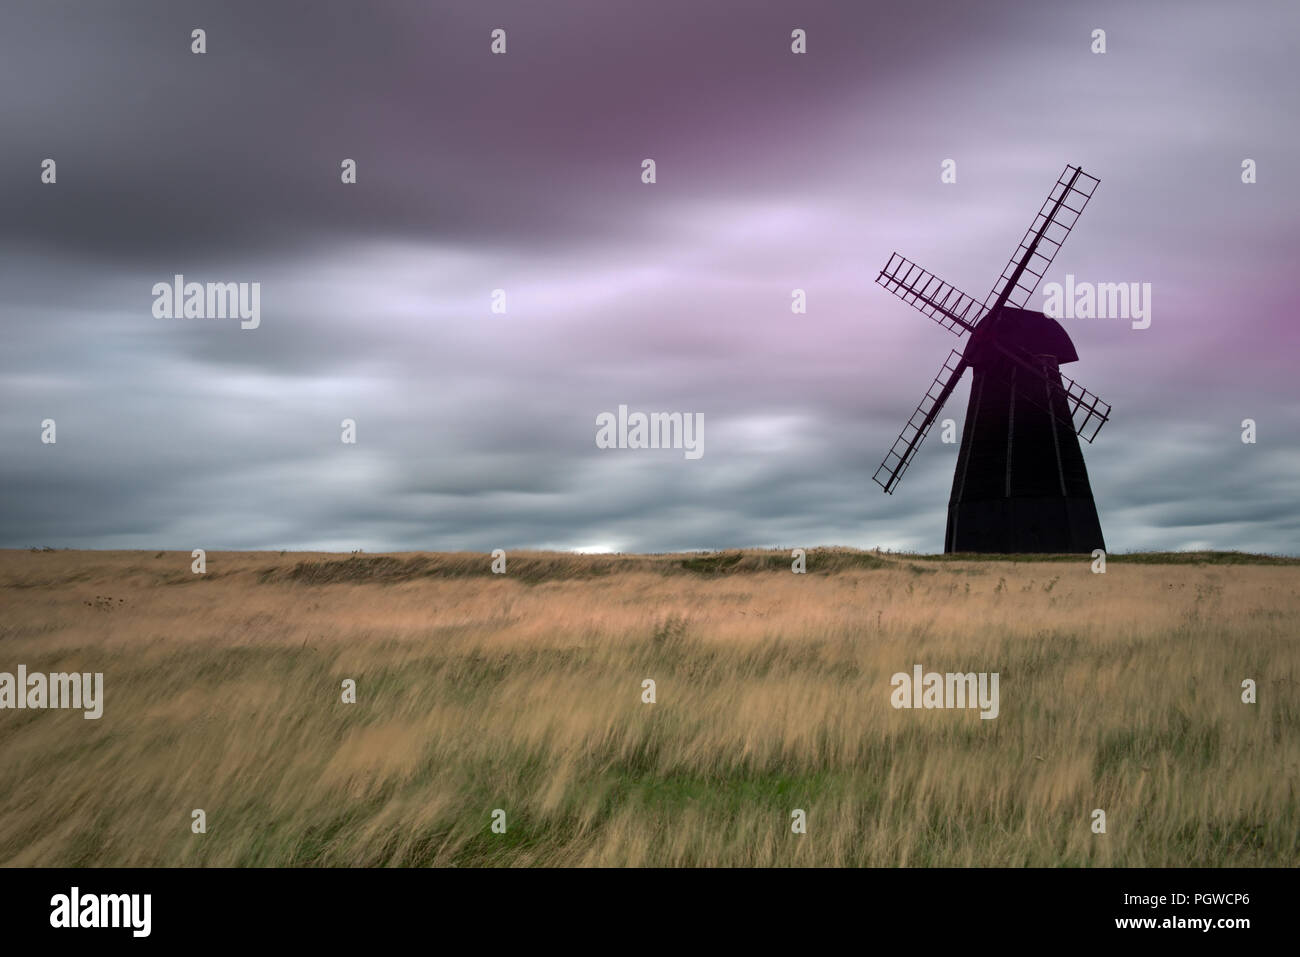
{"x": 522, "y": 171}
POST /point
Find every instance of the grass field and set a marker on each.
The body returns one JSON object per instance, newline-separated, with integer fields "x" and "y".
{"x": 523, "y": 692}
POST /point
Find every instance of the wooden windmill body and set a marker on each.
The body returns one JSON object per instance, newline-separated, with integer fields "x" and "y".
{"x": 1020, "y": 484}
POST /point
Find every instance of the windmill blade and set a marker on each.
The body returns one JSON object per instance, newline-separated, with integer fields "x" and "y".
{"x": 1070, "y": 403}
{"x": 941, "y": 301}
{"x": 1042, "y": 241}
{"x": 1088, "y": 412}
{"x": 909, "y": 440}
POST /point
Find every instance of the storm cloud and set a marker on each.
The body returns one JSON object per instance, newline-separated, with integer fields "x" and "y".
{"x": 522, "y": 172}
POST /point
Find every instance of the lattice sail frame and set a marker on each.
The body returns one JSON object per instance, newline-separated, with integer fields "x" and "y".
{"x": 941, "y": 301}
{"x": 914, "y": 432}
{"x": 1043, "y": 239}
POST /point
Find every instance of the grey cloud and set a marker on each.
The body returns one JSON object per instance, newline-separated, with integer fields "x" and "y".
{"x": 521, "y": 172}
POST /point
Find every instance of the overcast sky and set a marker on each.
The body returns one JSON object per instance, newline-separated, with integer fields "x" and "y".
{"x": 522, "y": 172}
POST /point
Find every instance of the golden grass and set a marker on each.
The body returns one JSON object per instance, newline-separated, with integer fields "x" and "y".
{"x": 523, "y": 692}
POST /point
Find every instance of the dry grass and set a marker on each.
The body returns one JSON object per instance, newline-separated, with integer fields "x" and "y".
{"x": 523, "y": 692}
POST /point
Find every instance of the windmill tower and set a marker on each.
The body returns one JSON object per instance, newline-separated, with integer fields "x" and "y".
{"x": 1020, "y": 483}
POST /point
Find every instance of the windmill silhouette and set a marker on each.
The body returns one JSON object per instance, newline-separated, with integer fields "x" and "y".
{"x": 1020, "y": 483}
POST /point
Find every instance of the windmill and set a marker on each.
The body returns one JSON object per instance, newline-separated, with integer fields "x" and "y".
{"x": 1020, "y": 484}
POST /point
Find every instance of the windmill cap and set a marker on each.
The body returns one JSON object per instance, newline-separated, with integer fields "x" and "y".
{"x": 1035, "y": 333}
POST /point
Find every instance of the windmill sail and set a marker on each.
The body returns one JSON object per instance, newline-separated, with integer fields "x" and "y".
{"x": 918, "y": 424}
{"x": 1055, "y": 220}
{"x": 941, "y": 301}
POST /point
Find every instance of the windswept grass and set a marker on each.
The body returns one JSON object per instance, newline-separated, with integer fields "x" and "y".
{"x": 1140, "y": 558}
{"x": 523, "y": 692}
